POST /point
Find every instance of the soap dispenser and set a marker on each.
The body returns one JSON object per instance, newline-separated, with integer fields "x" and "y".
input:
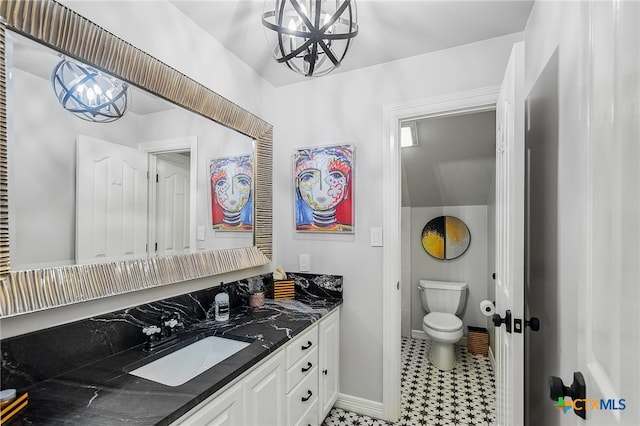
{"x": 222, "y": 305}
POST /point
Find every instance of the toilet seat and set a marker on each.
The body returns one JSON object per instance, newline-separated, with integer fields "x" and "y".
{"x": 441, "y": 321}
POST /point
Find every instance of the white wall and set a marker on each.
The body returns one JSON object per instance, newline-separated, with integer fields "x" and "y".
{"x": 42, "y": 173}
{"x": 348, "y": 108}
{"x": 470, "y": 268}
{"x": 159, "y": 29}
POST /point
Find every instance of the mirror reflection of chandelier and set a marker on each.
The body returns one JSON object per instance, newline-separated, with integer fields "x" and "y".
{"x": 88, "y": 93}
{"x": 311, "y": 37}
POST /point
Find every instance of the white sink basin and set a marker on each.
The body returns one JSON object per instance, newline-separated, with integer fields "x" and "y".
{"x": 183, "y": 365}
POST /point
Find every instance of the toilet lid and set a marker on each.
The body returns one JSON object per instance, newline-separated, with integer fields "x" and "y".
{"x": 440, "y": 321}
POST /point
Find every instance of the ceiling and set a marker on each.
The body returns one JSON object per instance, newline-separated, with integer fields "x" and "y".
{"x": 389, "y": 30}
{"x": 453, "y": 162}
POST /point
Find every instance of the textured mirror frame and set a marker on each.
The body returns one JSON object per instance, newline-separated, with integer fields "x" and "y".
{"x": 64, "y": 30}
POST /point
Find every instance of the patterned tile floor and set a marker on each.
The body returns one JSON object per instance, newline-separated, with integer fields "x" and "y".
{"x": 462, "y": 396}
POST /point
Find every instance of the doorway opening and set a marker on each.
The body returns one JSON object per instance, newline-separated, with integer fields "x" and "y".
{"x": 172, "y": 195}
{"x": 456, "y": 104}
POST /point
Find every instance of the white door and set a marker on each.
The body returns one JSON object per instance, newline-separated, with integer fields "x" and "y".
{"x": 608, "y": 349}
{"x": 111, "y": 201}
{"x": 172, "y": 203}
{"x": 510, "y": 241}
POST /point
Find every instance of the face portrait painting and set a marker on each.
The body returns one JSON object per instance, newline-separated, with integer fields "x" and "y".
{"x": 324, "y": 189}
{"x": 231, "y": 199}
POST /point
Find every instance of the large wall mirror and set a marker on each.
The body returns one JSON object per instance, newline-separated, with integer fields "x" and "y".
{"x": 177, "y": 188}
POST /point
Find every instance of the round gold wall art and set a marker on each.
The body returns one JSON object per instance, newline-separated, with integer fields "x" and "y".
{"x": 445, "y": 237}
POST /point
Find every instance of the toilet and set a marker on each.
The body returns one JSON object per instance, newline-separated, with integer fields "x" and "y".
{"x": 443, "y": 301}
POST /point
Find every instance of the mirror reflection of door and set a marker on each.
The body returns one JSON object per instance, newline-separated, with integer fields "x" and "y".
{"x": 172, "y": 189}
{"x": 111, "y": 201}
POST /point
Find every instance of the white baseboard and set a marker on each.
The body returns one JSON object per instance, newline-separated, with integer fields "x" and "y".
{"x": 360, "y": 405}
{"x": 421, "y": 335}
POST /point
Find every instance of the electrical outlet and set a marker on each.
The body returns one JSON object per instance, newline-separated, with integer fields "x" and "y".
{"x": 200, "y": 233}
{"x": 304, "y": 261}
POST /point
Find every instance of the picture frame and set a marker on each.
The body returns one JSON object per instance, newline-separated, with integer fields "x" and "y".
{"x": 323, "y": 182}
{"x": 445, "y": 237}
{"x": 231, "y": 189}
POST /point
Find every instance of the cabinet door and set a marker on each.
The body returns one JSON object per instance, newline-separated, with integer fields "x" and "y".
{"x": 224, "y": 410}
{"x": 329, "y": 362}
{"x": 263, "y": 392}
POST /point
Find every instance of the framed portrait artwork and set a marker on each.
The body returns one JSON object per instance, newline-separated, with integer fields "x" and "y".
{"x": 323, "y": 182}
{"x": 231, "y": 193}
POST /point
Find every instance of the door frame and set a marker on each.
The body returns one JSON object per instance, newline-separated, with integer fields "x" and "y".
{"x": 182, "y": 144}
{"x": 476, "y": 100}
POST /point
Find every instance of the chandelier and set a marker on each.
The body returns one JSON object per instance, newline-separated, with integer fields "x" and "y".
{"x": 311, "y": 37}
{"x": 88, "y": 93}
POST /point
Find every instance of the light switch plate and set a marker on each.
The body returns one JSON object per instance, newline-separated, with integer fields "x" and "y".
{"x": 304, "y": 263}
{"x": 376, "y": 237}
{"x": 200, "y": 233}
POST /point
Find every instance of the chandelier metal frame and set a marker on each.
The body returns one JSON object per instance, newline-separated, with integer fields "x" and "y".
{"x": 72, "y": 83}
{"x": 313, "y": 39}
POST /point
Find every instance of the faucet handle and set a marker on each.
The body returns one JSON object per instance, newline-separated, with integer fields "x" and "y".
{"x": 172, "y": 320}
{"x": 151, "y": 330}
{"x": 171, "y": 323}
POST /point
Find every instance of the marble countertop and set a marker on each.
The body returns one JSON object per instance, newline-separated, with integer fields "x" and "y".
{"x": 103, "y": 393}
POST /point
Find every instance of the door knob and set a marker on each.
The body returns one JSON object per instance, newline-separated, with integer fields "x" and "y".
{"x": 533, "y": 324}
{"x": 577, "y": 390}
{"x": 498, "y": 321}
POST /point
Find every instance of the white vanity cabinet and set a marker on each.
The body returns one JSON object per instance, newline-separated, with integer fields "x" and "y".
{"x": 297, "y": 385}
{"x": 223, "y": 410}
{"x": 262, "y": 394}
{"x": 313, "y": 372}
{"x": 254, "y": 400}
{"x": 301, "y": 357}
{"x": 329, "y": 362}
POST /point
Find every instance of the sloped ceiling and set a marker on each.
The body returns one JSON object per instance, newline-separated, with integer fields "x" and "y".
{"x": 453, "y": 162}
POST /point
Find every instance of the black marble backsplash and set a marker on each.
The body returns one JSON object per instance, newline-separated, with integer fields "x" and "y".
{"x": 32, "y": 358}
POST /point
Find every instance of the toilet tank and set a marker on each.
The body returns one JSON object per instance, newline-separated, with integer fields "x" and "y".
{"x": 443, "y": 296}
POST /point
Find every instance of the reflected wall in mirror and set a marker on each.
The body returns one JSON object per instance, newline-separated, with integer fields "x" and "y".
{"x": 64, "y": 172}
{"x": 79, "y": 189}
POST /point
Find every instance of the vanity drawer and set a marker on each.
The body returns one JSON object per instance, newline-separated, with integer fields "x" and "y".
{"x": 302, "y": 397}
{"x": 301, "y": 369}
{"x": 301, "y": 346}
{"x": 310, "y": 418}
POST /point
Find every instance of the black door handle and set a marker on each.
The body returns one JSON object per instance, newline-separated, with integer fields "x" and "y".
{"x": 307, "y": 346}
{"x": 498, "y": 321}
{"x": 577, "y": 390}
{"x": 307, "y": 368}
{"x": 309, "y": 394}
{"x": 533, "y": 324}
